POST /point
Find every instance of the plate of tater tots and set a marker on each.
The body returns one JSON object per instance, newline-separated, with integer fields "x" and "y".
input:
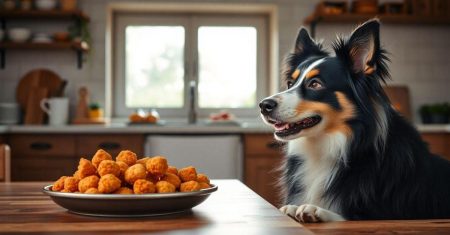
{"x": 129, "y": 186}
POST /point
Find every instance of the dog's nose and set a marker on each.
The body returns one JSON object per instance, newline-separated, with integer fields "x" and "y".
{"x": 267, "y": 106}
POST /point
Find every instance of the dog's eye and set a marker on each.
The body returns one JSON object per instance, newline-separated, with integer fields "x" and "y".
{"x": 289, "y": 84}
{"x": 315, "y": 85}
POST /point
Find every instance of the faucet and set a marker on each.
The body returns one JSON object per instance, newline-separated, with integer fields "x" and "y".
{"x": 192, "y": 115}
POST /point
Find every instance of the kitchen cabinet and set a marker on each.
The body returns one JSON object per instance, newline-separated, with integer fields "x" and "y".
{"x": 263, "y": 156}
{"x": 439, "y": 143}
{"x": 47, "y": 157}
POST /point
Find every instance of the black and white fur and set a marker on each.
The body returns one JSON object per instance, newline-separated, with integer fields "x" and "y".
{"x": 379, "y": 168}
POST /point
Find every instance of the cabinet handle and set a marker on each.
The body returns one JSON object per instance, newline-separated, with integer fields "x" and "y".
{"x": 274, "y": 145}
{"x": 109, "y": 145}
{"x": 41, "y": 146}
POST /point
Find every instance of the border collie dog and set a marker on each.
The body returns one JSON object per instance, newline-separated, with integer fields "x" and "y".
{"x": 350, "y": 155}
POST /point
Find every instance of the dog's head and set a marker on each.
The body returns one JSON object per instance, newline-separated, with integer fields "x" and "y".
{"x": 325, "y": 93}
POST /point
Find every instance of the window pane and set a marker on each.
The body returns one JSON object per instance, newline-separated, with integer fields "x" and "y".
{"x": 227, "y": 67}
{"x": 154, "y": 66}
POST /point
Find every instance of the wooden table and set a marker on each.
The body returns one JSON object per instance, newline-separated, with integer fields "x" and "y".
{"x": 233, "y": 209}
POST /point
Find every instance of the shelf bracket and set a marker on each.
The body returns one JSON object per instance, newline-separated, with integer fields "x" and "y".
{"x": 2, "y": 58}
{"x": 79, "y": 59}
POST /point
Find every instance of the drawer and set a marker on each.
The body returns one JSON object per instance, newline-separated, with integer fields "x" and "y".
{"x": 87, "y": 145}
{"x": 42, "y": 145}
{"x": 262, "y": 144}
{"x": 42, "y": 168}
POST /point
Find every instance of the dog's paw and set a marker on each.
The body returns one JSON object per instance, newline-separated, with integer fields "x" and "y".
{"x": 308, "y": 213}
{"x": 289, "y": 210}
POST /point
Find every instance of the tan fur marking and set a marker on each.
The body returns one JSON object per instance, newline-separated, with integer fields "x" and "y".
{"x": 369, "y": 70}
{"x": 296, "y": 74}
{"x": 312, "y": 73}
{"x": 336, "y": 119}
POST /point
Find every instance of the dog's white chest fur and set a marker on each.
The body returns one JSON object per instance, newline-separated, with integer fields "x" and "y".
{"x": 320, "y": 158}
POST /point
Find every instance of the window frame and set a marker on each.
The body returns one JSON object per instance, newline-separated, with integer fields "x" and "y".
{"x": 268, "y": 11}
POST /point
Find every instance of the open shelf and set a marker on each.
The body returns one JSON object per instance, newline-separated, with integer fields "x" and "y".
{"x": 353, "y": 18}
{"x": 385, "y": 18}
{"x": 51, "y": 45}
{"x": 40, "y": 14}
{"x": 78, "y": 47}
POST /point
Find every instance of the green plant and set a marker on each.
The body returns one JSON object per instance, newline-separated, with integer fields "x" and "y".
{"x": 440, "y": 109}
{"x": 94, "y": 106}
{"x": 425, "y": 109}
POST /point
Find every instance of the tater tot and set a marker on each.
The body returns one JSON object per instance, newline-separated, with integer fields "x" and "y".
{"x": 127, "y": 156}
{"x": 190, "y": 186}
{"x": 85, "y": 168}
{"x": 71, "y": 184}
{"x": 77, "y": 175}
{"x": 157, "y": 165}
{"x": 172, "y": 170}
{"x": 143, "y": 160}
{"x": 187, "y": 174}
{"x": 204, "y": 185}
{"x": 123, "y": 190}
{"x": 59, "y": 184}
{"x": 99, "y": 156}
{"x": 108, "y": 167}
{"x": 152, "y": 178}
{"x": 202, "y": 178}
{"x": 173, "y": 179}
{"x": 135, "y": 172}
{"x": 165, "y": 187}
{"x": 142, "y": 186}
{"x": 87, "y": 183}
{"x": 123, "y": 167}
{"x": 108, "y": 183}
{"x": 92, "y": 191}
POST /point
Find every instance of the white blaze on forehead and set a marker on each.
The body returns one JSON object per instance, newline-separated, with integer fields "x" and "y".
{"x": 306, "y": 71}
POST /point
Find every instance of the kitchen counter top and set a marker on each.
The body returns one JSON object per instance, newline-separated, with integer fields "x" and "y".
{"x": 172, "y": 128}
{"x": 233, "y": 209}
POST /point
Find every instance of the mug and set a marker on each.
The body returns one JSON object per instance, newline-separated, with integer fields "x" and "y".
{"x": 57, "y": 110}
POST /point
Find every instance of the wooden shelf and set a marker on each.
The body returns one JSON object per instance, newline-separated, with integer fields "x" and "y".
{"x": 49, "y": 14}
{"x": 353, "y": 18}
{"x": 385, "y": 18}
{"x": 52, "y": 45}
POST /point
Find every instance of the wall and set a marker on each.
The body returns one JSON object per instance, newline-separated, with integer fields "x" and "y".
{"x": 418, "y": 53}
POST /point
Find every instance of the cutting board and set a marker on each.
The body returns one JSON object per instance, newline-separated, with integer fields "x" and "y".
{"x": 32, "y": 88}
{"x": 399, "y": 96}
{"x": 33, "y": 112}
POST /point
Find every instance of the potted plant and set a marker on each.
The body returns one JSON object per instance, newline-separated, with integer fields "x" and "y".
{"x": 95, "y": 112}
{"x": 439, "y": 113}
{"x": 425, "y": 114}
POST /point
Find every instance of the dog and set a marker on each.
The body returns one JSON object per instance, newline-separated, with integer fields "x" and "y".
{"x": 349, "y": 154}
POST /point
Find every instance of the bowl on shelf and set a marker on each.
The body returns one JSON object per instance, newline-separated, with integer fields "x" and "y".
{"x": 45, "y": 4}
{"x": 61, "y": 36}
{"x": 42, "y": 38}
{"x": 19, "y": 34}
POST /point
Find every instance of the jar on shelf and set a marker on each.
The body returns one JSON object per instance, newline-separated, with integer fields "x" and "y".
{"x": 68, "y": 5}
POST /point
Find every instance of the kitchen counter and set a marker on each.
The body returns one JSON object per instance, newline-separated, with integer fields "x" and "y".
{"x": 233, "y": 209}
{"x": 172, "y": 128}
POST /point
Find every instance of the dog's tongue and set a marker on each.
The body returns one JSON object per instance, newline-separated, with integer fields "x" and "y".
{"x": 281, "y": 126}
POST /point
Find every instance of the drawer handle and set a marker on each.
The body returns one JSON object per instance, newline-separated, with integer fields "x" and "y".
{"x": 109, "y": 145}
{"x": 41, "y": 146}
{"x": 274, "y": 145}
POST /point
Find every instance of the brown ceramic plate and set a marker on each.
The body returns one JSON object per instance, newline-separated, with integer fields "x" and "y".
{"x": 133, "y": 205}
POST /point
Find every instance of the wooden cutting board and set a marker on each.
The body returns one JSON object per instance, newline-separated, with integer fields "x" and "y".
{"x": 42, "y": 78}
{"x": 399, "y": 96}
{"x": 34, "y": 115}
{"x": 33, "y": 87}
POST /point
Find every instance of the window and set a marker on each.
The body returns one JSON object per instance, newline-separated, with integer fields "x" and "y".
{"x": 157, "y": 56}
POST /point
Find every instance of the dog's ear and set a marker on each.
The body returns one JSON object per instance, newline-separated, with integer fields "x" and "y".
{"x": 304, "y": 44}
{"x": 363, "y": 47}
